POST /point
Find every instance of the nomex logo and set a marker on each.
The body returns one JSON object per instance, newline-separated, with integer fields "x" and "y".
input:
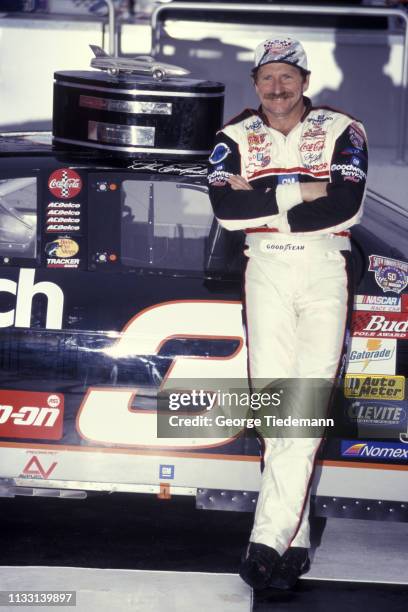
{"x": 387, "y": 451}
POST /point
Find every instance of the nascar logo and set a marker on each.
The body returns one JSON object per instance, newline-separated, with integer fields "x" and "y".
{"x": 378, "y": 303}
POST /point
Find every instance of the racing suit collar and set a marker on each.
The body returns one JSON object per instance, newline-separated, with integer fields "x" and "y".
{"x": 308, "y": 107}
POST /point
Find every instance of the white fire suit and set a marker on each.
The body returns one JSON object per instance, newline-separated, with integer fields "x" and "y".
{"x": 297, "y": 284}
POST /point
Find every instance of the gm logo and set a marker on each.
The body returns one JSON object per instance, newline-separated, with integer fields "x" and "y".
{"x": 166, "y": 472}
{"x": 288, "y": 179}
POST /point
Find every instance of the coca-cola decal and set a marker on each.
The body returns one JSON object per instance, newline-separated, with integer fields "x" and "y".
{"x": 318, "y": 145}
{"x": 65, "y": 183}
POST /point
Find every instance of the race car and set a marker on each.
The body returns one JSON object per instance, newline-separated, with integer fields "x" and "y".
{"x": 119, "y": 292}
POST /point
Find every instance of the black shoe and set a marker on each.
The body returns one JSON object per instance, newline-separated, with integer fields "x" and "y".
{"x": 294, "y": 562}
{"x": 258, "y": 565}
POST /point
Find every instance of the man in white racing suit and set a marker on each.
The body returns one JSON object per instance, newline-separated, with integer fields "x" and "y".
{"x": 293, "y": 178}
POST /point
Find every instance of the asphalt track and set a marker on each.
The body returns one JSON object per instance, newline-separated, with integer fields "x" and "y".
{"x": 140, "y": 532}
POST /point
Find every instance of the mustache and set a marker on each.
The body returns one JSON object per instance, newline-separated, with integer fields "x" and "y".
{"x": 279, "y": 96}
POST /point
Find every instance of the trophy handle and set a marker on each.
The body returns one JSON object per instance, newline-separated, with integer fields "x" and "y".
{"x": 113, "y": 34}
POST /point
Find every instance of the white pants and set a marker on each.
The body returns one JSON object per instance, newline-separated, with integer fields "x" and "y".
{"x": 296, "y": 312}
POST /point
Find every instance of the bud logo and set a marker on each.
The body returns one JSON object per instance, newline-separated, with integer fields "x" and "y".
{"x": 379, "y": 303}
{"x": 374, "y": 355}
{"x": 65, "y": 183}
{"x": 374, "y": 387}
{"x": 31, "y": 415}
{"x": 386, "y": 451}
{"x": 391, "y": 325}
{"x": 34, "y": 469}
{"x": 25, "y": 291}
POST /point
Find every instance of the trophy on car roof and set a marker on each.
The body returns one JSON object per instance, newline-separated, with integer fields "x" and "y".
{"x": 142, "y": 64}
{"x": 134, "y": 106}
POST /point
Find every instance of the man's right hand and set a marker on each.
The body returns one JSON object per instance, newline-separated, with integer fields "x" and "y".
{"x": 313, "y": 191}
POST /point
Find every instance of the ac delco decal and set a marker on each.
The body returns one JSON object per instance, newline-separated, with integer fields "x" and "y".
{"x": 380, "y": 325}
{"x": 30, "y": 414}
{"x": 374, "y": 387}
{"x": 65, "y": 183}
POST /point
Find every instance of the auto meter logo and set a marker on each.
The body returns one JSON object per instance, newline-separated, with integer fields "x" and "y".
{"x": 31, "y": 414}
{"x": 65, "y": 183}
{"x": 384, "y": 451}
{"x": 374, "y": 387}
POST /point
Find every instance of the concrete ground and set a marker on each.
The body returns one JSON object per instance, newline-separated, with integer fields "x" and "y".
{"x": 151, "y": 554}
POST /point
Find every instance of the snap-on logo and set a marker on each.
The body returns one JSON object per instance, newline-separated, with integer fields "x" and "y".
{"x": 65, "y": 183}
{"x": 31, "y": 414}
